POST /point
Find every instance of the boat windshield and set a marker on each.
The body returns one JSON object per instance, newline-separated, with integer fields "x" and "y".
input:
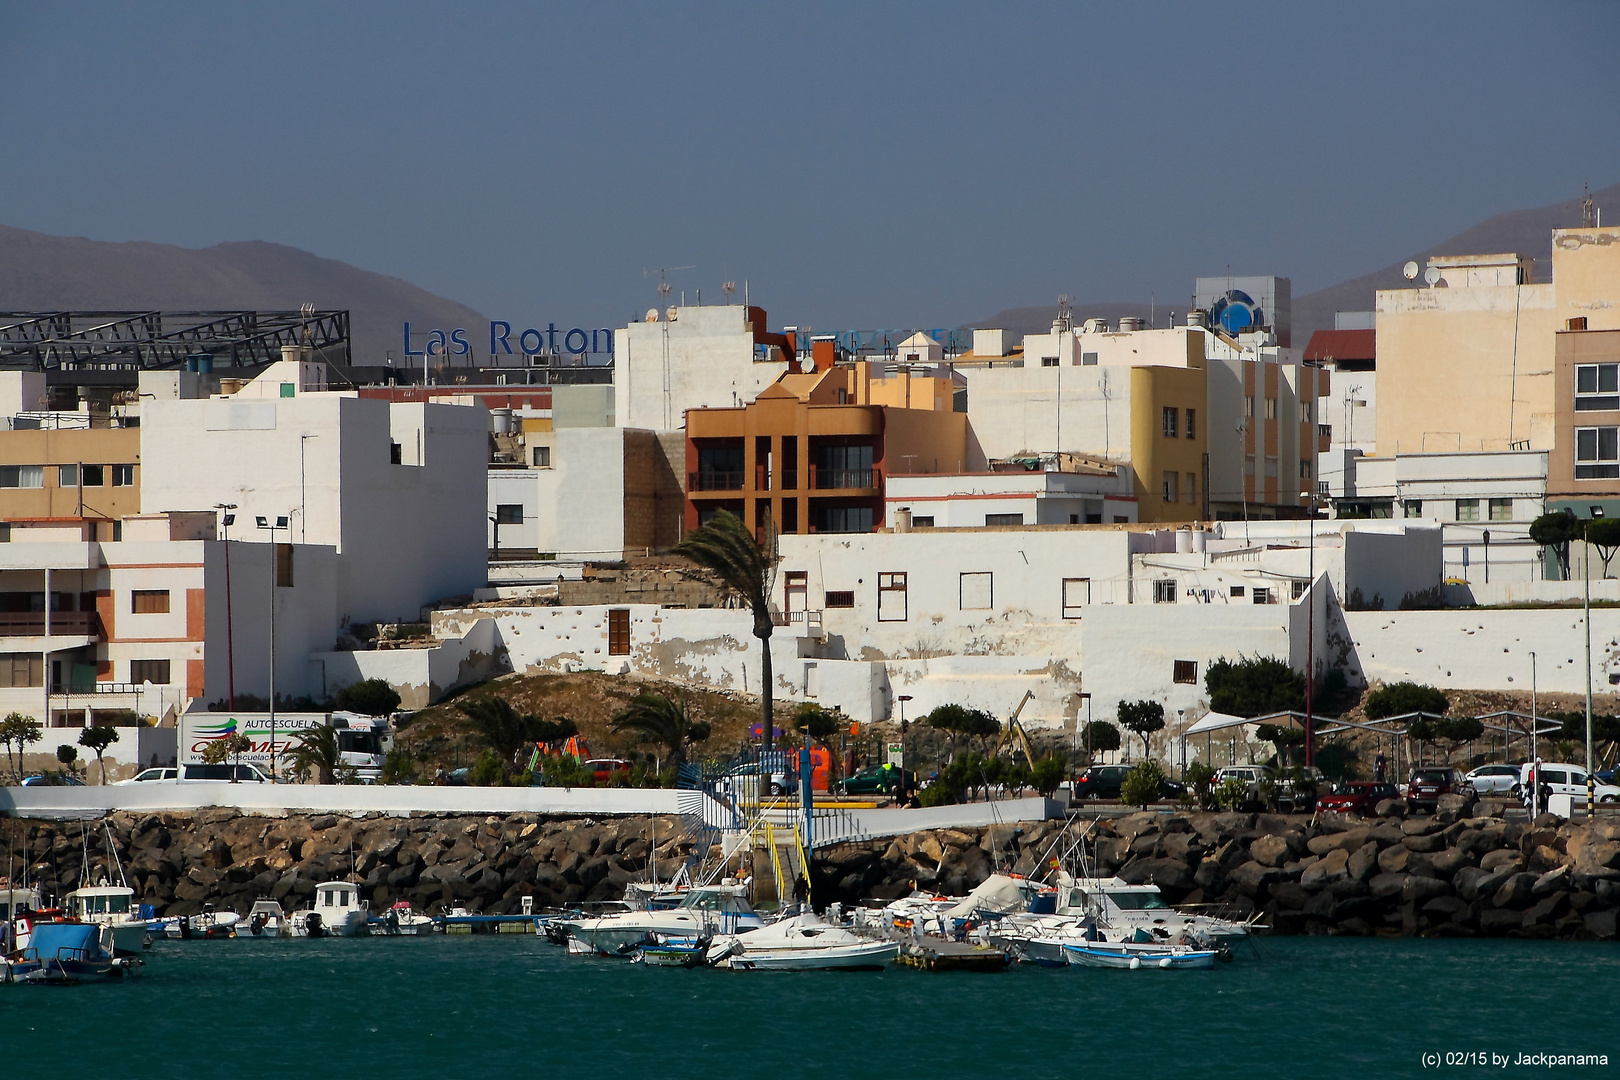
{"x": 1137, "y": 901}
{"x": 708, "y": 900}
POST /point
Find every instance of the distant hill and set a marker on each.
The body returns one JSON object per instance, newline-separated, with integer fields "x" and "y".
{"x": 39, "y": 272}
{"x": 1528, "y": 232}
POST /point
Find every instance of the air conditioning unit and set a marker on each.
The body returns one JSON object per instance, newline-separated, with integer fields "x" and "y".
{"x": 543, "y": 358}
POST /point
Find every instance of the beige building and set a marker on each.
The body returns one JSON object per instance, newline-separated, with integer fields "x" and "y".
{"x": 1467, "y": 363}
{"x": 88, "y": 475}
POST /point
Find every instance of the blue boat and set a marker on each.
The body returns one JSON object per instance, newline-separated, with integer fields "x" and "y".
{"x": 65, "y": 952}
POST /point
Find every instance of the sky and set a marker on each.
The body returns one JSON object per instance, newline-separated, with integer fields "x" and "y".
{"x": 859, "y": 165}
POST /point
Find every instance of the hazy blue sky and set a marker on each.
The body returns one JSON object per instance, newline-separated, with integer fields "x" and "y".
{"x": 862, "y": 164}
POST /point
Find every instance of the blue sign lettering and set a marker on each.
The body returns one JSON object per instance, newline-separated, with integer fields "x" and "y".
{"x": 532, "y": 341}
{"x": 505, "y": 332}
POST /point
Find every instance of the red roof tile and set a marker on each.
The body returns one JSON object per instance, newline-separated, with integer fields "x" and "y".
{"x": 1342, "y": 345}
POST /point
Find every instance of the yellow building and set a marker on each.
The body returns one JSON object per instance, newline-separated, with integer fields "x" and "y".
{"x": 86, "y": 474}
{"x": 1467, "y": 363}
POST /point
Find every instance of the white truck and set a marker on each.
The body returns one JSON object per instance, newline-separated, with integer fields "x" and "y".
{"x": 362, "y": 741}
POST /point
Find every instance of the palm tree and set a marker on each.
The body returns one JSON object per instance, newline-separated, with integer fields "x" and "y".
{"x": 658, "y": 719}
{"x": 17, "y": 731}
{"x": 317, "y": 749}
{"x": 508, "y": 731}
{"x": 725, "y": 546}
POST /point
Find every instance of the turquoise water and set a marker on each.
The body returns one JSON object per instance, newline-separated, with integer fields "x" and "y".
{"x": 500, "y": 1006}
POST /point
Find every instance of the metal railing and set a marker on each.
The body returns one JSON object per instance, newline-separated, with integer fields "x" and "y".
{"x": 709, "y": 480}
{"x": 32, "y": 623}
{"x": 843, "y": 479}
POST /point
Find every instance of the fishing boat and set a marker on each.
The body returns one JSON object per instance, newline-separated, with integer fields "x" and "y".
{"x": 707, "y": 909}
{"x": 66, "y": 952}
{"x": 803, "y": 942}
{"x": 17, "y": 916}
{"x": 338, "y": 912}
{"x": 113, "y": 906}
{"x": 265, "y": 918}
{"x": 401, "y": 920}
{"x": 1134, "y": 957}
{"x": 674, "y": 952}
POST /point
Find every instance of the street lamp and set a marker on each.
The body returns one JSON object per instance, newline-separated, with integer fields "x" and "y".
{"x": 272, "y": 526}
{"x": 1181, "y": 723}
{"x": 903, "y": 699}
{"x": 228, "y": 519}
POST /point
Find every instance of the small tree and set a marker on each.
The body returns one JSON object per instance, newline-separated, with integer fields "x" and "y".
{"x": 1254, "y": 686}
{"x": 1285, "y": 739}
{"x": 1421, "y": 731}
{"x": 1143, "y": 717}
{"x": 1048, "y": 774}
{"x": 372, "y": 697}
{"x": 1100, "y": 736}
{"x": 1143, "y": 784}
{"x": 398, "y": 767}
{"x": 18, "y": 732}
{"x": 1400, "y": 698}
{"x": 1201, "y": 777}
{"x": 1604, "y": 534}
{"x": 508, "y": 731}
{"x": 317, "y": 751}
{"x": 1555, "y": 531}
{"x": 961, "y": 720}
{"x": 820, "y": 726}
{"x": 68, "y": 755}
{"x": 97, "y": 738}
{"x": 233, "y": 745}
{"x": 660, "y": 719}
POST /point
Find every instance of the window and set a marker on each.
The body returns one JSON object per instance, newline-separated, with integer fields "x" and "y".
{"x": 1169, "y": 422}
{"x": 1186, "y": 671}
{"x": 122, "y": 475}
{"x": 922, "y": 522}
{"x": 891, "y": 598}
{"x": 618, "y": 631}
{"x": 1597, "y": 386}
{"x": 509, "y": 514}
{"x": 22, "y": 669}
{"x": 149, "y": 601}
{"x": 96, "y": 475}
{"x": 1501, "y": 509}
{"x": 1414, "y": 508}
{"x": 1467, "y": 509}
{"x": 1271, "y": 467}
{"x": 796, "y": 590}
{"x": 1192, "y": 423}
{"x": 1164, "y": 591}
{"x": 976, "y": 591}
{"x": 152, "y": 671}
{"x": 1248, "y": 465}
{"x": 1305, "y": 412}
{"x": 1171, "y": 486}
{"x": 1271, "y": 408}
{"x": 1597, "y": 454}
{"x": 1261, "y": 596}
{"x": 1237, "y": 592}
{"x": 843, "y": 519}
{"x": 67, "y": 476}
{"x": 5, "y": 532}
{"x": 289, "y": 390}
{"x": 1299, "y": 589}
{"x": 1049, "y": 361}
{"x": 1076, "y": 595}
{"x": 284, "y": 566}
{"x": 1304, "y": 468}
{"x": 1248, "y": 407}
{"x": 843, "y": 598}
{"x": 22, "y": 476}
{"x": 1003, "y": 519}
{"x": 1088, "y": 359}
{"x": 542, "y": 457}
{"x": 396, "y": 454}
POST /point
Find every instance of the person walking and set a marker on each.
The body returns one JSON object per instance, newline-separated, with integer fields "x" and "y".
{"x": 801, "y": 894}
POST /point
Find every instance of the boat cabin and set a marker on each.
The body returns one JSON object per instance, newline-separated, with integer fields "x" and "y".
{"x": 725, "y": 899}
{"x": 13, "y": 902}
{"x": 101, "y": 902}
{"x": 336, "y": 896}
{"x": 1106, "y": 897}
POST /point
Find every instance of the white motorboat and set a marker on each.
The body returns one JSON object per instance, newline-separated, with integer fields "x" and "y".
{"x": 1119, "y": 905}
{"x": 338, "y": 912}
{"x": 206, "y": 924}
{"x": 264, "y": 919}
{"x": 401, "y": 920}
{"x": 802, "y": 943}
{"x": 112, "y": 906}
{"x": 1134, "y": 957}
{"x": 708, "y": 910}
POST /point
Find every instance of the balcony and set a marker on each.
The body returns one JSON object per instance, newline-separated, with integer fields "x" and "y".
{"x": 711, "y": 480}
{"x": 31, "y": 624}
{"x": 845, "y": 479}
{"x": 809, "y": 621}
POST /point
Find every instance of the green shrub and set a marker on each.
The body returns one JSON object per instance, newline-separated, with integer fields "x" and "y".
{"x": 487, "y": 771}
{"x": 1143, "y": 784}
{"x": 936, "y": 794}
{"x": 398, "y": 767}
{"x": 371, "y": 697}
{"x": 1200, "y": 781}
{"x": 1231, "y": 794}
{"x": 1254, "y": 686}
{"x": 1400, "y": 698}
{"x": 1048, "y": 774}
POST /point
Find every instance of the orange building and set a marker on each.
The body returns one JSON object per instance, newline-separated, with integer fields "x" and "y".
{"x": 811, "y": 452}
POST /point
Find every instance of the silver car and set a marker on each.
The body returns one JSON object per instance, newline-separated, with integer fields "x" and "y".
{"x": 1495, "y": 779}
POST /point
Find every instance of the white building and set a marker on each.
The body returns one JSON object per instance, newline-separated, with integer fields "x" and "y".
{"x": 1072, "y": 495}
{"x": 398, "y": 490}
{"x": 692, "y": 358}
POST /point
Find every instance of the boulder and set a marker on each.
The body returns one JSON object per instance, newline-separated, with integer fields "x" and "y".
{"x": 1333, "y": 866}
{"x": 1497, "y": 921}
{"x": 1183, "y": 845}
{"x": 1346, "y": 841}
{"x": 1600, "y": 923}
{"x": 1544, "y": 857}
{"x": 1390, "y": 808}
{"x": 1364, "y": 861}
{"x": 1515, "y": 891}
{"x": 1447, "y": 908}
{"x": 1550, "y": 882}
{"x": 1546, "y": 910}
{"x": 1254, "y": 879}
{"x": 1387, "y": 886}
{"x": 1501, "y": 859}
{"x": 1393, "y": 860}
{"x": 1386, "y": 833}
{"x": 1453, "y": 807}
{"x": 1270, "y": 850}
{"x": 1420, "y": 890}
{"x": 1446, "y": 863}
{"x": 1598, "y": 859}
{"x": 1290, "y": 894}
{"x": 1169, "y": 873}
{"x": 1422, "y": 826}
{"x": 1426, "y": 842}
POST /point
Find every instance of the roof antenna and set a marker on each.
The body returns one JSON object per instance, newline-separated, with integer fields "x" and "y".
{"x": 1587, "y": 218}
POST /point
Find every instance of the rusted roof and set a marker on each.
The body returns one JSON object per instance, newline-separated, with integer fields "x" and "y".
{"x": 1342, "y": 345}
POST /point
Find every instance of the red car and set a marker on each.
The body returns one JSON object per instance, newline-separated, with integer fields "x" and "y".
{"x": 602, "y": 769}
{"x": 1428, "y": 784}
{"x": 1357, "y": 797}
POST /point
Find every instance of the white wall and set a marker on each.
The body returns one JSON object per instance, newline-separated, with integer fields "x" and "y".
{"x": 420, "y": 676}
{"x": 703, "y": 359}
{"x": 1488, "y": 650}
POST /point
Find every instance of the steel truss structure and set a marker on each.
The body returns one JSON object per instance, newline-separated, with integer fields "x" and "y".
{"x": 132, "y": 340}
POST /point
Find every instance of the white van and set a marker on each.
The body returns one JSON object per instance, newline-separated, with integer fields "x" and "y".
{"x": 1569, "y": 780}
{"x": 245, "y": 774}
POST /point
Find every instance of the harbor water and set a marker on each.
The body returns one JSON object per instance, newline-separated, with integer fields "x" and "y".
{"x": 448, "y": 1007}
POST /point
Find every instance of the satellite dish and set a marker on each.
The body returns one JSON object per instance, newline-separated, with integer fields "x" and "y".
{"x": 1431, "y": 275}
{"x": 1410, "y": 270}
{"x": 652, "y": 314}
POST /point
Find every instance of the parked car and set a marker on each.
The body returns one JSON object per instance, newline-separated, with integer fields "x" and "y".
{"x": 602, "y": 769}
{"x": 1495, "y": 780}
{"x": 1429, "y": 783}
{"x": 1299, "y": 794}
{"x": 1357, "y": 797}
{"x": 1106, "y": 782}
{"x": 1251, "y": 775}
{"x": 52, "y": 780}
{"x": 876, "y": 780}
{"x": 1567, "y": 780}
{"x": 780, "y": 779}
{"x": 148, "y": 774}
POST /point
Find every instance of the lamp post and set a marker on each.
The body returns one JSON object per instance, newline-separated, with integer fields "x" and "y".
{"x": 1586, "y": 573}
{"x": 1181, "y": 722}
{"x": 903, "y": 699}
{"x": 228, "y": 519}
{"x": 303, "y": 502}
{"x": 272, "y": 526}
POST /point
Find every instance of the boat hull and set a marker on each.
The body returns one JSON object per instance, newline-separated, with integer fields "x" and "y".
{"x": 1174, "y": 959}
{"x": 867, "y": 956}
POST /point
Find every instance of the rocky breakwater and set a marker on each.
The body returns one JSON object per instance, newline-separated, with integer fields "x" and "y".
{"x": 181, "y": 862}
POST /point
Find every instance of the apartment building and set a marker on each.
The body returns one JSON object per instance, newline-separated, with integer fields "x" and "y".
{"x": 1583, "y": 467}
{"x": 685, "y": 358}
